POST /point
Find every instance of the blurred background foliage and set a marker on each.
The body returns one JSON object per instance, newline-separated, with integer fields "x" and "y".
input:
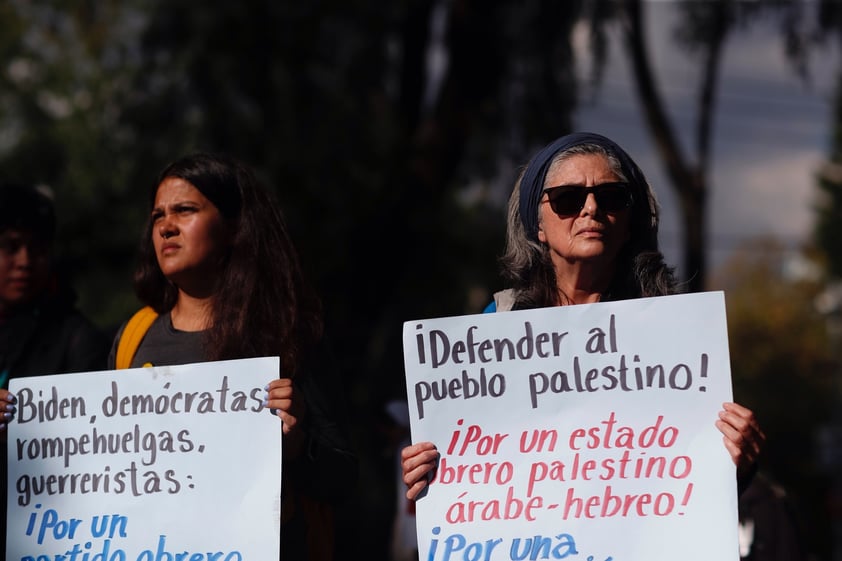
{"x": 393, "y": 176}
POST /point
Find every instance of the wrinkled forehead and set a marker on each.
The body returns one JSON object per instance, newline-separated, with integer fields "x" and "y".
{"x": 584, "y": 160}
{"x": 583, "y": 169}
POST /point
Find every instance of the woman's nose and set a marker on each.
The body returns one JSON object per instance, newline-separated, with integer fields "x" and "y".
{"x": 590, "y": 206}
{"x": 166, "y": 228}
{"x": 23, "y": 255}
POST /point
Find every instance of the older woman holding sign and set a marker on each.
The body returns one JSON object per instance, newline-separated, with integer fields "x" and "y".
{"x": 583, "y": 228}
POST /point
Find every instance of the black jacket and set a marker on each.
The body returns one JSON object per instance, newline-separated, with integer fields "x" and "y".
{"x": 52, "y": 337}
{"x": 770, "y": 527}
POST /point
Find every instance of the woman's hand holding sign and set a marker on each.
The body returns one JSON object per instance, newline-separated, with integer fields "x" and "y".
{"x": 280, "y": 399}
{"x": 742, "y": 436}
{"x": 418, "y": 463}
{"x": 7, "y": 411}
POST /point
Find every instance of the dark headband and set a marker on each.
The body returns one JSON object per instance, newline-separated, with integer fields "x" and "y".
{"x": 532, "y": 183}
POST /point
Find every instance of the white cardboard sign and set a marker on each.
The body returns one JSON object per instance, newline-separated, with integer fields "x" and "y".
{"x": 146, "y": 464}
{"x": 583, "y": 432}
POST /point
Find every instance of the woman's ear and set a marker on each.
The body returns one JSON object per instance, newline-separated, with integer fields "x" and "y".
{"x": 542, "y": 237}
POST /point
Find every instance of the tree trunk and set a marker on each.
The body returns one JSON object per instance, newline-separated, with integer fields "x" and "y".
{"x": 689, "y": 180}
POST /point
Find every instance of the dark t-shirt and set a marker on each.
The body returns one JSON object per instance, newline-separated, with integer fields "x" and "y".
{"x": 164, "y": 345}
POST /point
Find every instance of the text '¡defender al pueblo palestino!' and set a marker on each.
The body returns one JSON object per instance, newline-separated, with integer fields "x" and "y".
{"x": 622, "y": 372}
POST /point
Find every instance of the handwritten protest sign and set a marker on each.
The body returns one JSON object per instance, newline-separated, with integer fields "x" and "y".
{"x": 581, "y": 432}
{"x": 147, "y": 464}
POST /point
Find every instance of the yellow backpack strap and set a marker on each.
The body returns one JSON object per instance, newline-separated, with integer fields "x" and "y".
{"x": 133, "y": 334}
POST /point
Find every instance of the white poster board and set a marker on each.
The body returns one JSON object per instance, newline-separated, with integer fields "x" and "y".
{"x": 146, "y": 464}
{"x": 576, "y": 431}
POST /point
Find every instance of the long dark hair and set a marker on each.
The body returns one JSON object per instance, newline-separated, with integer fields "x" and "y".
{"x": 262, "y": 306}
{"x": 640, "y": 269}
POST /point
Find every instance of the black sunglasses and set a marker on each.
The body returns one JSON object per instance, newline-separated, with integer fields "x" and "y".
{"x": 568, "y": 200}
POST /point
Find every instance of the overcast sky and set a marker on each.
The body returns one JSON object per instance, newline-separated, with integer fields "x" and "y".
{"x": 771, "y": 132}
